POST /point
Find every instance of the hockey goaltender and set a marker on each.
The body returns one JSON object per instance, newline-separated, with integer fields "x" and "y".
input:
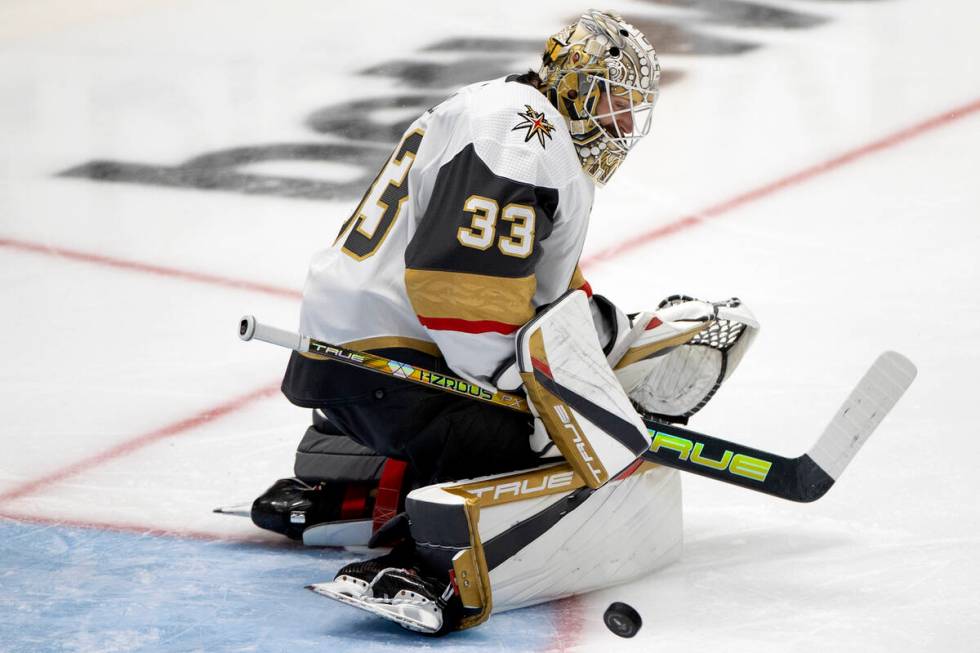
{"x": 462, "y": 259}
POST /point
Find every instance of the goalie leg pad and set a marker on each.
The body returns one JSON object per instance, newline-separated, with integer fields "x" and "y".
{"x": 519, "y": 539}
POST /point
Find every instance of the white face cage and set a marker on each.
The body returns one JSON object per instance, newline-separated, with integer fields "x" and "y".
{"x": 623, "y": 112}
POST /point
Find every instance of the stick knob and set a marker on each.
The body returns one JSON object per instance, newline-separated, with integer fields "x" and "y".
{"x": 246, "y": 328}
{"x": 250, "y": 329}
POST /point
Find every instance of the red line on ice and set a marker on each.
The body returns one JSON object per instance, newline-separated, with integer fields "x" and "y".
{"x": 792, "y": 179}
{"x": 130, "y": 446}
{"x": 569, "y": 622}
{"x": 136, "y": 266}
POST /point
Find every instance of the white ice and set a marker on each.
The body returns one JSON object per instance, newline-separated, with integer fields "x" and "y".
{"x": 128, "y": 403}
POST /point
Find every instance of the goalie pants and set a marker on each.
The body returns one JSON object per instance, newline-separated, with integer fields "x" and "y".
{"x": 441, "y": 436}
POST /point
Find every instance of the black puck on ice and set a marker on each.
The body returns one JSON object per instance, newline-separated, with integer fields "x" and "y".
{"x": 622, "y": 619}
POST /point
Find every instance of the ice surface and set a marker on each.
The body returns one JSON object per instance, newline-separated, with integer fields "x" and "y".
{"x": 168, "y": 167}
{"x": 76, "y": 589}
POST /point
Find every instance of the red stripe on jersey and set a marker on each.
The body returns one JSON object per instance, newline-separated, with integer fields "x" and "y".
{"x": 467, "y": 326}
{"x": 542, "y": 367}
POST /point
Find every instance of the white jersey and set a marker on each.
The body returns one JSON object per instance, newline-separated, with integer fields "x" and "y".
{"x": 477, "y": 220}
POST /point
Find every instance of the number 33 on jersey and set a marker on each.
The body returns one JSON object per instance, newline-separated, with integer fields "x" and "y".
{"x": 382, "y": 205}
{"x": 466, "y": 231}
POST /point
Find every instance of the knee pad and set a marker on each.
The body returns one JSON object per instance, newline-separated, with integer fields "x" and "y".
{"x": 326, "y": 454}
{"x": 342, "y": 494}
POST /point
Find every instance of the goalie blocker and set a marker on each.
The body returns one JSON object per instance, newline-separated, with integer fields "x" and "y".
{"x": 575, "y": 393}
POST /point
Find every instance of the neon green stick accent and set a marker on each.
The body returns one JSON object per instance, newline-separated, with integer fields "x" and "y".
{"x": 680, "y": 445}
{"x": 749, "y": 467}
{"x": 696, "y": 457}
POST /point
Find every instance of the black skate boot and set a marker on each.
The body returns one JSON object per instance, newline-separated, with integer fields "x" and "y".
{"x": 291, "y": 504}
{"x": 357, "y": 576}
{"x": 394, "y": 587}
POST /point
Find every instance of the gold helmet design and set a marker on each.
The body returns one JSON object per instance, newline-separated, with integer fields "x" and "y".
{"x": 602, "y": 75}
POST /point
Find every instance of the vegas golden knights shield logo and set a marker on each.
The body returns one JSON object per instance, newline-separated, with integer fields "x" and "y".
{"x": 536, "y": 125}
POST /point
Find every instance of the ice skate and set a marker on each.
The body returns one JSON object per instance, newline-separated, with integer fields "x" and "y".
{"x": 400, "y": 594}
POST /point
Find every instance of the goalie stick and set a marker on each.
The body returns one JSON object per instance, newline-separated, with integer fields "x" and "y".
{"x": 249, "y": 328}
{"x": 804, "y": 479}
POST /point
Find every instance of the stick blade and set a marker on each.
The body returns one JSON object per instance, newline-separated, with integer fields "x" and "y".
{"x": 857, "y": 418}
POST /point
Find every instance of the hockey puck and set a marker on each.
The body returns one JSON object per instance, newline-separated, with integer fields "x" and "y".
{"x": 622, "y": 619}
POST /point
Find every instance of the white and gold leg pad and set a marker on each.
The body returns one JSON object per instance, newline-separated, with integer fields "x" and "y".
{"x": 519, "y": 539}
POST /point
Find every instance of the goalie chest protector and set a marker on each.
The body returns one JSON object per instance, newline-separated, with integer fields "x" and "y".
{"x": 476, "y": 220}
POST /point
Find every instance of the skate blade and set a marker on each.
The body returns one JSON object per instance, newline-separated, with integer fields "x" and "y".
{"x": 410, "y": 615}
{"x": 238, "y": 509}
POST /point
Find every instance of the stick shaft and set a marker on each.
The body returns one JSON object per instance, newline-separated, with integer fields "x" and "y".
{"x": 251, "y": 329}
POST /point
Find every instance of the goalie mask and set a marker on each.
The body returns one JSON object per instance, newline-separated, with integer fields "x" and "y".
{"x": 602, "y": 75}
